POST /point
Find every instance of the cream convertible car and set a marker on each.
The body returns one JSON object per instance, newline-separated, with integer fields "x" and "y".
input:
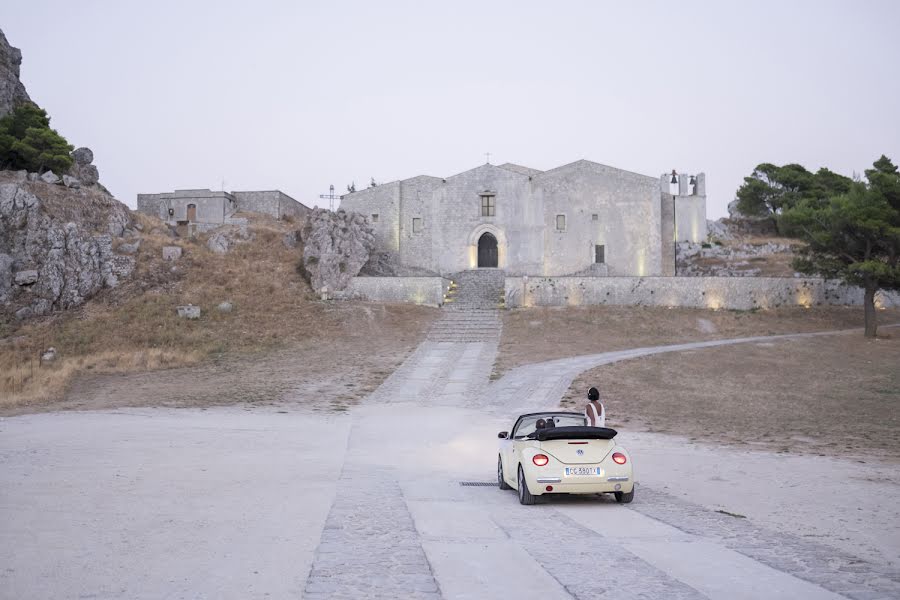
{"x": 564, "y": 457}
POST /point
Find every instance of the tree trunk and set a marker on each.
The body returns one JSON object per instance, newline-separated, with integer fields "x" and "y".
{"x": 869, "y": 304}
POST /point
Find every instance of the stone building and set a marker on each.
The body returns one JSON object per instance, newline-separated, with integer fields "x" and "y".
{"x": 581, "y": 218}
{"x": 205, "y": 209}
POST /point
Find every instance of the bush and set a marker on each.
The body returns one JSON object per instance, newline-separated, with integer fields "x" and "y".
{"x": 27, "y": 142}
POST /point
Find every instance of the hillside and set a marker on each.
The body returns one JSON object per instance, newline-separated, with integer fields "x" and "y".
{"x": 135, "y": 326}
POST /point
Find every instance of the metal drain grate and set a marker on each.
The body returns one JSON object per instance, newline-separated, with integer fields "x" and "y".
{"x": 478, "y": 483}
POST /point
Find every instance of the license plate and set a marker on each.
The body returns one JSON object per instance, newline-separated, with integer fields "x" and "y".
{"x": 581, "y": 471}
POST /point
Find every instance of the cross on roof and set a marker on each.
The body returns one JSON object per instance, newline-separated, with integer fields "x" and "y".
{"x": 487, "y": 156}
{"x": 330, "y": 197}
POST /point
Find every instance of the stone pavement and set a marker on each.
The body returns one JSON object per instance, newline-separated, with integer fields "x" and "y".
{"x": 398, "y": 528}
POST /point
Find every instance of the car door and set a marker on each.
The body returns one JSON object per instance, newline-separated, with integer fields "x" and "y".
{"x": 510, "y": 454}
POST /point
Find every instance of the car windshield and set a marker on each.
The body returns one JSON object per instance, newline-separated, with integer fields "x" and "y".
{"x": 527, "y": 424}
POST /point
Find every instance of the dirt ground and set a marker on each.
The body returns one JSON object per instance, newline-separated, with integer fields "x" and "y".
{"x": 834, "y": 395}
{"x": 539, "y": 334}
{"x": 357, "y": 346}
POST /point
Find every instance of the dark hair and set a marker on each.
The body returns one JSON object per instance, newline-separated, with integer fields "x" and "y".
{"x": 593, "y": 394}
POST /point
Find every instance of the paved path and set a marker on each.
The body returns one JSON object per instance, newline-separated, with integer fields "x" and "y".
{"x": 411, "y": 531}
{"x": 234, "y": 503}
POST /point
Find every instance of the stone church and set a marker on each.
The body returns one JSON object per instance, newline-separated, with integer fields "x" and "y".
{"x": 583, "y": 218}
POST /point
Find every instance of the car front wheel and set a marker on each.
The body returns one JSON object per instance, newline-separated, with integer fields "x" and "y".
{"x": 501, "y": 483}
{"x": 525, "y": 497}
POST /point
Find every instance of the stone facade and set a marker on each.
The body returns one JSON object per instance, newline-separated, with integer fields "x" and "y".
{"x": 208, "y": 209}
{"x": 582, "y": 217}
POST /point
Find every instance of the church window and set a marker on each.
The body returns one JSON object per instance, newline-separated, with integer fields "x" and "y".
{"x": 488, "y": 207}
{"x": 600, "y": 254}
{"x": 417, "y": 224}
{"x": 560, "y": 222}
{"x": 375, "y": 218}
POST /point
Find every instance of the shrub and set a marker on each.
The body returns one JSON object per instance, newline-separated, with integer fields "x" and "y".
{"x": 28, "y": 142}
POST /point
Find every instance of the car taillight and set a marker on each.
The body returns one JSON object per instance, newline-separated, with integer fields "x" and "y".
{"x": 619, "y": 458}
{"x": 540, "y": 459}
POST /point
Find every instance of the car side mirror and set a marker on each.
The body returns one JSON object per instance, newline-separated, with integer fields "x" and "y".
{"x": 503, "y": 435}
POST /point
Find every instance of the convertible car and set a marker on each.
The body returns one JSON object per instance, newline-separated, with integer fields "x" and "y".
{"x": 555, "y": 453}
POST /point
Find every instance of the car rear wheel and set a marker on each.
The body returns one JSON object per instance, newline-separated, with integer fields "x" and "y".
{"x": 525, "y": 497}
{"x": 501, "y": 483}
{"x": 625, "y": 497}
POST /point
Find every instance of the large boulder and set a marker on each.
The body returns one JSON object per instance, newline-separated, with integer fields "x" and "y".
{"x": 83, "y": 156}
{"x": 56, "y": 248}
{"x": 222, "y": 239}
{"x": 12, "y": 91}
{"x": 336, "y": 246}
{"x": 82, "y": 169}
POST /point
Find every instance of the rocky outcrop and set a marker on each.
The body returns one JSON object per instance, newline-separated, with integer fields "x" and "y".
{"x": 82, "y": 169}
{"x": 56, "y": 246}
{"x": 734, "y": 260}
{"x": 12, "y": 92}
{"x": 223, "y": 238}
{"x": 335, "y": 247}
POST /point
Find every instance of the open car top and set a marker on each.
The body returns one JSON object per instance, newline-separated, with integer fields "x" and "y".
{"x": 572, "y": 433}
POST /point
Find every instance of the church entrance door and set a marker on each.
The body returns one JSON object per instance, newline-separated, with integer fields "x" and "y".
{"x": 487, "y": 251}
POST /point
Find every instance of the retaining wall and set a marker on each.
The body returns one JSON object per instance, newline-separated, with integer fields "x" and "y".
{"x": 734, "y": 293}
{"x": 415, "y": 290}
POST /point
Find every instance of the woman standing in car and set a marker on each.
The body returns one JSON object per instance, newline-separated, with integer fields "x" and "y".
{"x": 594, "y": 413}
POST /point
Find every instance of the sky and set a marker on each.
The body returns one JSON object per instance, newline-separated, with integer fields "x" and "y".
{"x": 297, "y": 95}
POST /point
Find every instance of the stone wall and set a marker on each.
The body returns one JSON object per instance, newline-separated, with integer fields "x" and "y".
{"x": 734, "y": 293}
{"x": 274, "y": 203}
{"x": 415, "y": 290}
{"x": 381, "y": 207}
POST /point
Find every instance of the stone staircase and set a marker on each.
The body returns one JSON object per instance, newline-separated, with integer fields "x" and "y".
{"x": 470, "y": 308}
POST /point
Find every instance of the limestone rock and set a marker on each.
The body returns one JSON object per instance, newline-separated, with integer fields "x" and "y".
{"x": 733, "y": 211}
{"x": 88, "y": 175}
{"x": 82, "y": 169}
{"x": 12, "y": 91}
{"x": 225, "y": 307}
{"x": 6, "y": 276}
{"x": 291, "y": 239}
{"x": 71, "y": 182}
{"x": 50, "y": 177}
{"x": 34, "y": 177}
{"x": 171, "y": 252}
{"x": 188, "y": 311}
{"x": 131, "y": 248}
{"x": 83, "y": 156}
{"x": 336, "y": 246}
{"x": 26, "y": 277}
{"x": 58, "y": 264}
{"x": 221, "y": 240}
{"x": 49, "y": 356}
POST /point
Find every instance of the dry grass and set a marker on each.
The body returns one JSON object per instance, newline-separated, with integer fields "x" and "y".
{"x": 834, "y": 395}
{"x": 135, "y": 326}
{"x": 540, "y": 334}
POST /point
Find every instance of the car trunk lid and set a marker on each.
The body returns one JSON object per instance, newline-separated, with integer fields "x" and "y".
{"x": 576, "y": 452}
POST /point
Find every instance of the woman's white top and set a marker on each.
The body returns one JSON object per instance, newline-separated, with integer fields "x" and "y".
{"x": 599, "y": 420}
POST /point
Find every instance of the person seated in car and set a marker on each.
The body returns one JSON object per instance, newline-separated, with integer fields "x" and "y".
{"x": 540, "y": 424}
{"x": 594, "y": 413}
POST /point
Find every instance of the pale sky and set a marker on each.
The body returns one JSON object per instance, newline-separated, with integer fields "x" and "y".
{"x": 298, "y": 95}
